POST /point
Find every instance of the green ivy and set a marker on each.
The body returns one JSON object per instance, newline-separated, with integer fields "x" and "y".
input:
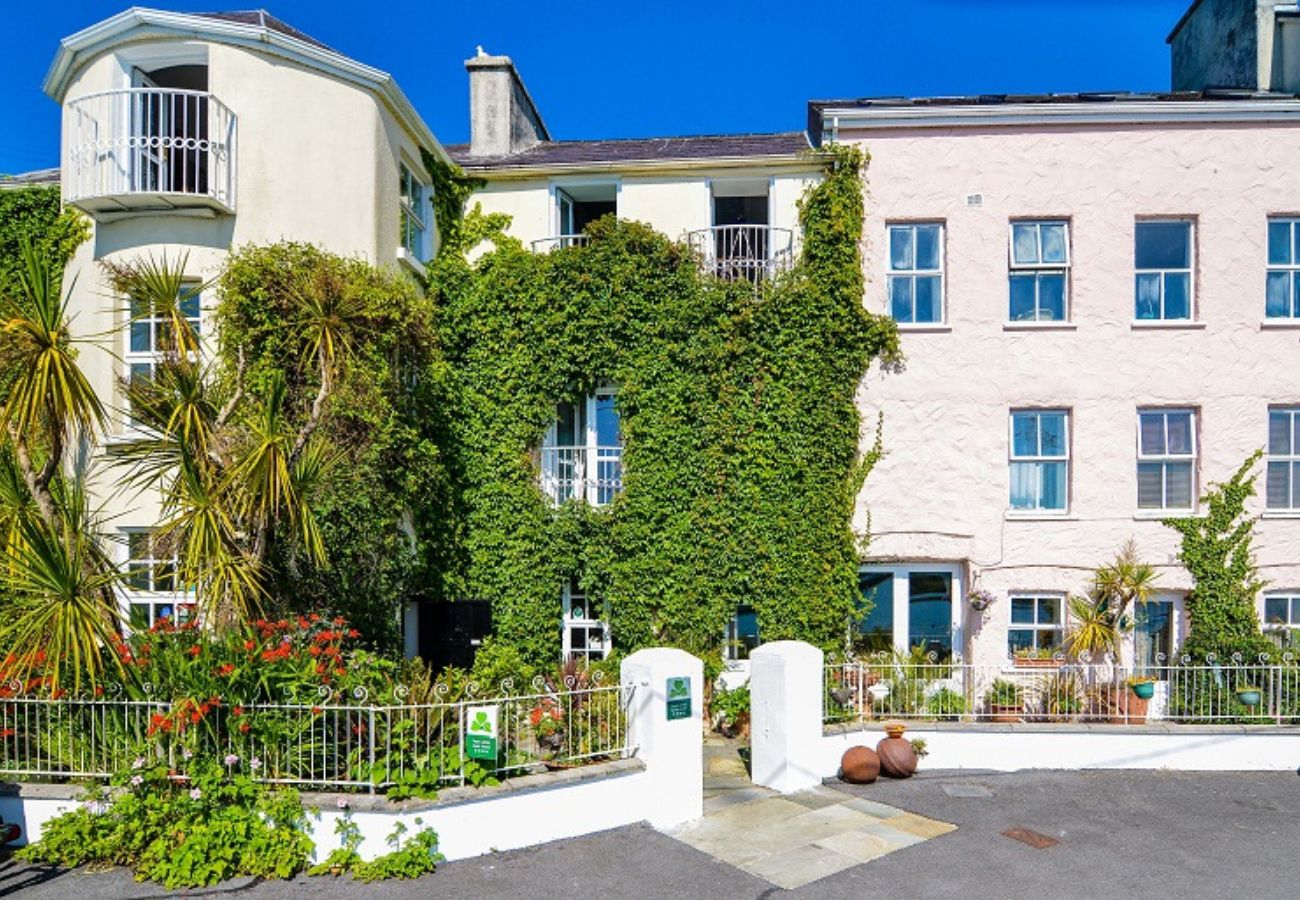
{"x": 34, "y": 214}
{"x": 741, "y": 431}
{"x": 1216, "y": 550}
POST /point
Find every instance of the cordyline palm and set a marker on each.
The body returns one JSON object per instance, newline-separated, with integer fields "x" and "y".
{"x": 1101, "y": 618}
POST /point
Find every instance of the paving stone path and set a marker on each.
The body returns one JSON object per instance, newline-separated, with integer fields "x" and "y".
{"x": 794, "y": 839}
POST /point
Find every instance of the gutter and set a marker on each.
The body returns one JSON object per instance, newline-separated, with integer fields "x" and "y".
{"x": 626, "y": 167}
{"x": 1040, "y": 114}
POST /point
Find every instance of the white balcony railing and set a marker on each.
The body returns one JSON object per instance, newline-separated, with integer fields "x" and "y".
{"x": 148, "y": 149}
{"x": 560, "y": 242}
{"x": 749, "y": 252}
{"x": 592, "y": 474}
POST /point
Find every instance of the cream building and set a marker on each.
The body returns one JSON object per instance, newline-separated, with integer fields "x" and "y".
{"x": 185, "y": 135}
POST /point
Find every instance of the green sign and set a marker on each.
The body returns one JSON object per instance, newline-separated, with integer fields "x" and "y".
{"x": 679, "y": 698}
{"x": 481, "y": 732}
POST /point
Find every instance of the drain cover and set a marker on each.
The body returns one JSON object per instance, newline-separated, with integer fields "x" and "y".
{"x": 1032, "y": 838}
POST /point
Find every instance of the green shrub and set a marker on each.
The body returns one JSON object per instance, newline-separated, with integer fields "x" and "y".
{"x": 1004, "y": 693}
{"x": 946, "y": 703}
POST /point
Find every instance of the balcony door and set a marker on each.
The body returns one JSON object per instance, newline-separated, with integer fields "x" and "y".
{"x": 169, "y": 130}
{"x": 150, "y": 132}
{"x": 582, "y": 455}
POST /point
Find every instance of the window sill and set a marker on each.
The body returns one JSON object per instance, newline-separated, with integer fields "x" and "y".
{"x": 1040, "y": 326}
{"x": 1168, "y": 324}
{"x": 924, "y": 327}
{"x": 412, "y": 263}
{"x": 1157, "y": 515}
{"x": 1281, "y": 514}
{"x": 1279, "y": 324}
{"x": 1040, "y": 516}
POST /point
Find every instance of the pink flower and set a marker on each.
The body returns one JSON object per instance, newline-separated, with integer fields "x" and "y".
{"x": 195, "y": 794}
{"x": 138, "y": 763}
{"x": 255, "y": 764}
{"x": 232, "y": 759}
{"x": 137, "y": 780}
{"x": 341, "y": 802}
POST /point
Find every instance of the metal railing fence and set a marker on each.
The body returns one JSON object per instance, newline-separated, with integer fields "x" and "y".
{"x": 330, "y": 744}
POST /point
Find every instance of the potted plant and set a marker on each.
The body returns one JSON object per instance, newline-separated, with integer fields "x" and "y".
{"x": 979, "y": 599}
{"x": 1037, "y": 658}
{"x": 1062, "y": 696}
{"x": 1249, "y": 695}
{"x": 548, "y": 725}
{"x": 1142, "y": 686}
{"x": 1005, "y": 700}
{"x": 946, "y": 703}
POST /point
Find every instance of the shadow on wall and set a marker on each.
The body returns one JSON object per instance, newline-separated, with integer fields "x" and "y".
{"x": 154, "y": 229}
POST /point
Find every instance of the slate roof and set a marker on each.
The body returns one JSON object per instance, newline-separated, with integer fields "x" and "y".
{"x": 28, "y": 179}
{"x": 264, "y": 19}
{"x": 631, "y": 150}
{"x": 1218, "y": 94}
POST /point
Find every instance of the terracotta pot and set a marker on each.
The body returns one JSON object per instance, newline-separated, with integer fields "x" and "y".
{"x": 1004, "y": 713}
{"x": 1033, "y": 662}
{"x": 894, "y": 728}
{"x": 1126, "y": 708}
{"x": 897, "y": 758}
{"x": 859, "y": 765}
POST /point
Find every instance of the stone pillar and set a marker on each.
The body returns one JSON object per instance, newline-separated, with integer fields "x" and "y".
{"x": 785, "y": 684}
{"x": 673, "y": 750}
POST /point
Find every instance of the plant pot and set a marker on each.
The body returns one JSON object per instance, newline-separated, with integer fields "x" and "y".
{"x": 1004, "y": 713}
{"x": 859, "y": 765}
{"x": 1126, "y": 708}
{"x": 1250, "y": 697}
{"x": 897, "y": 758}
{"x": 894, "y": 728}
{"x": 1144, "y": 690}
{"x": 552, "y": 742}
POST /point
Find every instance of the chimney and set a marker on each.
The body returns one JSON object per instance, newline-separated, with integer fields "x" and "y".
{"x": 502, "y": 116}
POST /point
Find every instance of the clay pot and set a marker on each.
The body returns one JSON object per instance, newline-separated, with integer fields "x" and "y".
{"x": 999, "y": 713}
{"x": 859, "y": 765}
{"x": 897, "y": 758}
{"x": 895, "y": 728}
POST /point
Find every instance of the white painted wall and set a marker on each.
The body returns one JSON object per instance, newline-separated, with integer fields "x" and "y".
{"x": 941, "y": 490}
{"x": 785, "y": 685}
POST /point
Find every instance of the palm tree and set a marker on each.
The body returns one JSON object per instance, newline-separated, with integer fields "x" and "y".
{"x": 1102, "y": 618}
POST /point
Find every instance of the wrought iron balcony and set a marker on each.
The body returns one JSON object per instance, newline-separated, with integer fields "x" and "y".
{"x": 560, "y": 242}
{"x": 748, "y": 252}
{"x": 150, "y": 149}
{"x": 591, "y": 474}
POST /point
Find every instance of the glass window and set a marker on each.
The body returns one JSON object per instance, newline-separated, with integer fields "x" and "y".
{"x": 1036, "y": 624}
{"x": 742, "y": 634}
{"x": 1282, "y": 491}
{"x": 915, "y": 276}
{"x": 1282, "y": 278}
{"x": 1039, "y": 276}
{"x": 149, "y": 333}
{"x": 586, "y": 624}
{"x": 1282, "y": 619}
{"x": 152, "y": 591}
{"x": 582, "y": 454}
{"x": 1166, "y": 467}
{"x": 1040, "y": 459}
{"x": 1163, "y": 262}
{"x": 1153, "y": 636}
{"x": 929, "y": 613}
{"x": 415, "y": 216}
{"x": 876, "y": 628}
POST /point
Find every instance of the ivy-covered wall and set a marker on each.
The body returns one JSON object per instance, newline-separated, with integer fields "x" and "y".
{"x": 742, "y": 439}
{"x": 34, "y": 214}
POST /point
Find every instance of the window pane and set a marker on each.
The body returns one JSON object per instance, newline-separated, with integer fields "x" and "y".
{"x": 1178, "y": 295}
{"x": 1279, "y": 432}
{"x": 1054, "y": 485}
{"x": 1020, "y": 640}
{"x": 928, "y": 305}
{"x": 877, "y": 627}
{"x": 1150, "y": 479}
{"x": 140, "y": 337}
{"x": 1051, "y": 434}
{"x": 137, "y": 544}
{"x": 1053, "y": 237}
{"x": 1024, "y": 434}
{"x": 190, "y": 304}
{"x": 569, "y": 428}
{"x": 1295, "y": 610}
{"x": 1163, "y": 245}
{"x": 1024, "y": 485}
{"x": 606, "y": 421}
{"x": 1022, "y": 298}
{"x": 900, "y": 297}
{"x": 1279, "y": 243}
{"x": 1152, "y": 430}
{"x": 1148, "y": 297}
{"x": 901, "y": 254}
{"x": 1275, "y": 610}
{"x": 930, "y": 612}
{"x": 927, "y": 247}
{"x": 1051, "y": 298}
{"x": 1178, "y": 485}
{"x": 1024, "y": 243}
{"x": 1179, "y": 428}
{"x": 1022, "y": 610}
{"x": 1049, "y": 610}
{"x": 1048, "y": 640}
{"x": 1277, "y": 296}
{"x": 1278, "y": 490}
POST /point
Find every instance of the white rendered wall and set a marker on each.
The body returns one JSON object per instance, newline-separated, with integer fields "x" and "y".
{"x": 941, "y": 490}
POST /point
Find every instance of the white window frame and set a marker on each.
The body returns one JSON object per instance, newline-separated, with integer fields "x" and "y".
{"x": 1038, "y": 268}
{"x": 891, "y": 274}
{"x": 1284, "y": 634}
{"x": 151, "y": 597}
{"x": 1190, "y": 271}
{"x": 1290, "y": 460}
{"x": 1038, "y": 628}
{"x": 1167, "y": 458}
{"x": 415, "y": 198}
{"x": 570, "y": 472}
{"x": 1038, "y": 509}
{"x": 571, "y": 625}
{"x": 147, "y": 360}
{"x": 731, "y": 640}
{"x": 1291, "y": 269}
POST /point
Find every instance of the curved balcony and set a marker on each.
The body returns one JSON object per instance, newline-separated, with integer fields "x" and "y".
{"x": 150, "y": 150}
{"x": 560, "y": 242}
{"x": 748, "y": 252}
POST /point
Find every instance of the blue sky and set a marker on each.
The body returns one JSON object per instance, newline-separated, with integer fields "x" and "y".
{"x": 605, "y": 68}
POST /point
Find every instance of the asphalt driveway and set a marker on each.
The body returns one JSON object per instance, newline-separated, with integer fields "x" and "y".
{"x": 1116, "y": 834}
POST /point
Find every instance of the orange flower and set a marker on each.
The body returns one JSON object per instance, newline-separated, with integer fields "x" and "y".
{"x": 244, "y": 727}
{"x": 238, "y": 710}
{"x": 195, "y": 650}
{"x": 353, "y": 633}
{"x": 224, "y": 670}
{"x": 315, "y": 710}
{"x": 249, "y": 645}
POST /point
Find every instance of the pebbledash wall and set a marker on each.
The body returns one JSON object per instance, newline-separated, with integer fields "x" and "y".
{"x": 940, "y": 494}
{"x": 661, "y": 783}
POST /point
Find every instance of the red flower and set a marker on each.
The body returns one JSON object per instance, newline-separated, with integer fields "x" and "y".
{"x": 244, "y": 727}
{"x": 40, "y": 656}
{"x": 238, "y": 710}
{"x": 249, "y": 645}
{"x": 353, "y": 633}
{"x": 315, "y": 710}
{"x": 339, "y": 621}
{"x": 8, "y": 732}
{"x": 224, "y": 670}
{"x": 99, "y": 691}
{"x": 340, "y": 671}
{"x": 195, "y": 650}
{"x": 314, "y": 650}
